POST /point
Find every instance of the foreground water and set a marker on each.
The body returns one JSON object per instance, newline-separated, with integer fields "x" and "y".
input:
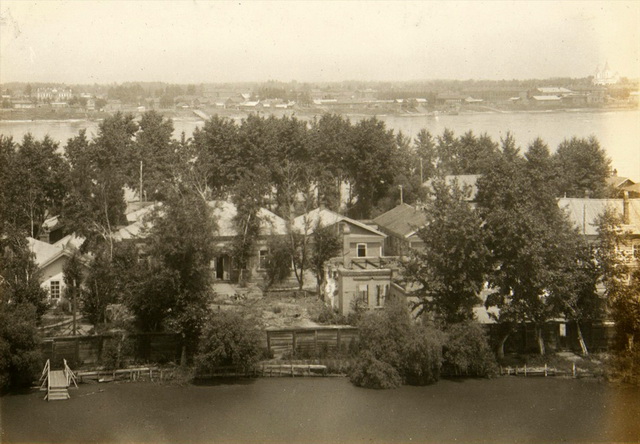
{"x": 617, "y": 131}
{"x": 330, "y": 410}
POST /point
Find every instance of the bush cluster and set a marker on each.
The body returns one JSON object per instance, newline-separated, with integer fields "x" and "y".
{"x": 228, "y": 340}
{"x": 20, "y": 357}
{"x": 394, "y": 350}
{"x": 467, "y": 351}
{"x": 624, "y": 366}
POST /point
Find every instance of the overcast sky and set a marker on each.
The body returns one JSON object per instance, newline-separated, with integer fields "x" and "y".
{"x": 198, "y": 41}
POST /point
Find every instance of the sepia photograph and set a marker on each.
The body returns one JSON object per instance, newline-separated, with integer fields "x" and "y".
{"x": 319, "y": 222}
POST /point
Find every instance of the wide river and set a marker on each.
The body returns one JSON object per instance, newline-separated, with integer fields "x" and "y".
{"x": 617, "y": 131}
{"x": 330, "y": 410}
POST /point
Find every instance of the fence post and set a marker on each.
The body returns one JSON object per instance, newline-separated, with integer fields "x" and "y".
{"x": 100, "y": 340}
{"x": 525, "y": 369}
{"x": 315, "y": 339}
{"x": 545, "y": 370}
{"x": 77, "y": 349}
{"x": 573, "y": 370}
{"x": 269, "y": 342}
{"x": 293, "y": 334}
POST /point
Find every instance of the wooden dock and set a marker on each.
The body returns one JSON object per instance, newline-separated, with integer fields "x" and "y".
{"x": 57, "y": 382}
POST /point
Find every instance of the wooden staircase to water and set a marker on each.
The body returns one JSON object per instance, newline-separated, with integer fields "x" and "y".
{"x": 57, "y": 382}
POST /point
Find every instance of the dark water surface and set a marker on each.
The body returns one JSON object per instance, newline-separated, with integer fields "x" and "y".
{"x": 330, "y": 410}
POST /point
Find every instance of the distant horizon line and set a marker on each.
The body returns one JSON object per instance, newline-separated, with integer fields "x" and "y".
{"x": 238, "y": 82}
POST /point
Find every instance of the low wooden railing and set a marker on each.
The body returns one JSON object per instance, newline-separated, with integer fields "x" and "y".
{"x": 45, "y": 375}
{"x": 71, "y": 377}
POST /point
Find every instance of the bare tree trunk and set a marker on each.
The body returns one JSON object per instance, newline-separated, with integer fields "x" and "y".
{"x": 583, "y": 345}
{"x": 500, "y": 347}
{"x": 183, "y": 352}
{"x": 540, "y": 339}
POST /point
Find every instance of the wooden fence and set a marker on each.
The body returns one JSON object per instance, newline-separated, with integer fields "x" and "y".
{"x": 87, "y": 350}
{"x": 313, "y": 341}
{"x": 288, "y": 342}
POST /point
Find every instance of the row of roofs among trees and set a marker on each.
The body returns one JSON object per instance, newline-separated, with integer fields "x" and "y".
{"x": 516, "y": 239}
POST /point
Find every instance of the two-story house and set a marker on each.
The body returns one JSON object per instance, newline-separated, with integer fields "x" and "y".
{"x": 360, "y": 276}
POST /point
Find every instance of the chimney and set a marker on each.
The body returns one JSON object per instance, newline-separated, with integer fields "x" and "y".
{"x": 626, "y": 219}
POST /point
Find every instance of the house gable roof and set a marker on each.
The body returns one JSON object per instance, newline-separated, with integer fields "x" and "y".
{"x": 307, "y": 222}
{"x": 619, "y": 181}
{"x": 43, "y": 251}
{"x": 585, "y": 212}
{"x": 224, "y": 212}
{"x": 403, "y": 220}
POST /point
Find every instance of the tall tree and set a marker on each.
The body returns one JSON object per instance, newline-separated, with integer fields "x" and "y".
{"x": 249, "y": 199}
{"x": 35, "y": 182}
{"x": 326, "y": 245}
{"x": 621, "y": 282}
{"x": 152, "y": 163}
{"x": 95, "y": 204}
{"x": 20, "y": 357}
{"x": 476, "y": 154}
{"x": 372, "y": 164}
{"x": 425, "y": 147}
{"x": 450, "y": 271}
{"x": 290, "y": 174}
{"x": 19, "y": 275}
{"x": 528, "y": 236}
{"x": 7, "y": 153}
{"x": 329, "y": 150}
{"x": 583, "y": 167}
{"x": 448, "y": 153}
{"x": 181, "y": 240}
{"x": 212, "y": 159}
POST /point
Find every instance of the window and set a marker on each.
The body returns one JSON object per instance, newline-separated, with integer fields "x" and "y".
{"x": 363, "y": 293}
{"x": 362, "y": 250}
{"x": 262, "y": 259}
{"x": 54, "y": 289}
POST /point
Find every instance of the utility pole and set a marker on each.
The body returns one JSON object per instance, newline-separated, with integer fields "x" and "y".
{"x": 401, "y": 196}
{"x": 141, "y": 181}
{"x": 421, "y": 178}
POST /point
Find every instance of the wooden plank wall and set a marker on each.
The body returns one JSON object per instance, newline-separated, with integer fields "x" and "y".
{"x": 82, "y": 350}
{"x": 310, "y": 341}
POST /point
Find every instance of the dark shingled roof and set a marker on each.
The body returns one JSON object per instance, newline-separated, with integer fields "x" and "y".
{"x": 401, "y": 220}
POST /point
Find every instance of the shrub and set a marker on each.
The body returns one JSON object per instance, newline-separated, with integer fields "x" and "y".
{"x": 389, "y": 337}
{"x": 370, "y": 372}
{"x": 278, "y": 266}
{"x": 228, "y": 340}
{"x": 423, "y": 356}
{"x": 624, "y": 366}
{"x": 467, "y": 351}
{"x": 20, "y": 358}
{"x": 117, "y": 352}
{"x": 330, "y": 316}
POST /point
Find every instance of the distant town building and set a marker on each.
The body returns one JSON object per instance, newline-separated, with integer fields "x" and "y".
{"x": 605, "y": 76}
{"x": 53, "y": 94}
